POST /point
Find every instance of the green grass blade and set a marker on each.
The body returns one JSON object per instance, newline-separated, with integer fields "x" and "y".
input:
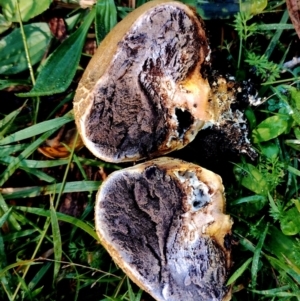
{"x": 11, "y": 168}
{"x": 18, "y": 264}
{"x": 62, "y": 217}
{"x": 52, "y": 163}
{"x": 239, "y": 271}
{"x": 11, "y": 219}
{"x": 39, "y": 275}
{"x": 7, "y": 150}
{"x": 57, "y": 243}
{"x": 39, "y": 174}
{"x": 4, "y": 217}
{"x": 106, "y": 18}
{"x": 248, "y": 199}
{"x": 276, "y": 35}
{"x": 4, "y": 279}
{"x": 37, "y": 129}
{"x": 130, "y": 291}
{"x": 275, "y": 26}
{"x": 60, "y": 67}
{"x": 279, "y": 264}
{"x": 7, "y": 120}
{"x": 256, "y": 256}
{"x": 277, "y": 293}
{"x": 294, "y": 170}
{"x": 18, "y": 234}
{"x": 24, "y": 192}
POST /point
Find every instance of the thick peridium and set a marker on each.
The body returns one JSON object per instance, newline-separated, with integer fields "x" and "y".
{"x": 163, "y": 222}
{"x": 131, "y": 107}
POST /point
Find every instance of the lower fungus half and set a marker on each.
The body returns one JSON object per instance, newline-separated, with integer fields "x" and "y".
{"x": 163, "y": 223}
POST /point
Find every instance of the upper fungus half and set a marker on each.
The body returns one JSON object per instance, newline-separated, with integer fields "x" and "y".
{"x": 143, "y": 93}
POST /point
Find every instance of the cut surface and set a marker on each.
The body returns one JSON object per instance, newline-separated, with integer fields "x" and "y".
{"x": 163, "y": 223}
{"x": 142, "y": 94}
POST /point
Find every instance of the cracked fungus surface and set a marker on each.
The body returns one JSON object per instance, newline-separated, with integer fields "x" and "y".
{"x": 152, "y": 223}
{"x": 144, "y": 103}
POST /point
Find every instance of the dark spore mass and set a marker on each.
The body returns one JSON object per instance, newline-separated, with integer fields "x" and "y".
{"x": 146, "y": 228}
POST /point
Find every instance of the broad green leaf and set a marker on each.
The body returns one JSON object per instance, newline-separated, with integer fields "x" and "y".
{"x": 251, "y": 178}
{"x": 295, "y": 94}
{"x": 253, "y": 7}
{"x": 59, "y": 69}
{"x": 297, "y": 132}
{"x": 270, "y": 128}
{"x": 28, "y": 9}
{"x": 4, "y": 24}
{"x": 270, "y": 150}
{"x": 106, "y": 18}
{"x": 290, "y": 222}
{"x": 295, "y": 100}
{"x": 249, "y": 113}
{"x": 239, "y": 271}
{"x": 12, "y": 53}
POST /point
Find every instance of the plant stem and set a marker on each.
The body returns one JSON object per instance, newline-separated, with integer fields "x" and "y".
{"x": 37, "y": 99}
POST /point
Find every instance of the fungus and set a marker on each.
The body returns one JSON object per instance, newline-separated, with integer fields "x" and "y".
{"x": 142, "y": 94}
{"x": 163, "y": 223}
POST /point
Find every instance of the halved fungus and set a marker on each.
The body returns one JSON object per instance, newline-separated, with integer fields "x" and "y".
{"x": 163, "y": 223}
{"x": 142, "y": 94}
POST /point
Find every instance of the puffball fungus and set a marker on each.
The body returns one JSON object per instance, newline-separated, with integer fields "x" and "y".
{"x": 163, "y": 223}
{"x": 142, "y": 94}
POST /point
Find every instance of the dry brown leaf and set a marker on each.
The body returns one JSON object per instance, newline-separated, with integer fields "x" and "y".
{"x": 293, "y": 7}
{"x": 58, "y": 28}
